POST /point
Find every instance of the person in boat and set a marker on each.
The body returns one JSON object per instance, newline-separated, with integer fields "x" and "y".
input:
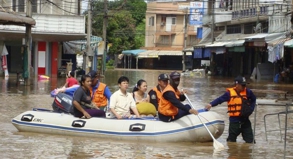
{"x": 170, "y": 107}
{"x": 174, "y": 82}
{"x": 142, "y": 99}
{"x": 156, "y": 93}
{"x": 121, "y": 101}
{"x": 100, "y": 92}
{"x": 70, "y": 81}
{"x": 237, "y": 98}
{"x": 82, "y": 97}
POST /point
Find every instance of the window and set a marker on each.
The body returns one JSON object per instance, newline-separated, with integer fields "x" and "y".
{"x": 18, "y": 5}
{"x": 233, "y": 29}
{"x": 34, "y": 6}
{"x": 173, "y": 20}
{"x": 163, "y": 19}
{"x": 192, "y": 40}
{"x": 165, "y": 39}
{"x": 151, "y": 21}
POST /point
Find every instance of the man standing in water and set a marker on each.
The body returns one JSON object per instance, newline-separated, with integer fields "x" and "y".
{"x": 238, "y": 98}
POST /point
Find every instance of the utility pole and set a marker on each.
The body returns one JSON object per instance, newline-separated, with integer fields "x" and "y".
{"x": 28, "y": 45}
{"x": 105, "y": 24}
{"x": 88, "y": 44}
{"x": 185, "y": 40}
{"x": 213, "y": 21}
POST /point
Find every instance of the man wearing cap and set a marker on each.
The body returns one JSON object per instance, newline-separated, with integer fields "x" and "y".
{"x": 156, "y": 93}
{"x": 99, "y": 91}
{"x": 237, "y": 98}
{"x": 170, "y": 107}
{"x": 174, "y": 82}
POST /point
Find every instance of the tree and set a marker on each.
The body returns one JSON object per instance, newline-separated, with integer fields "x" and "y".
{"x": 126, "y": 24}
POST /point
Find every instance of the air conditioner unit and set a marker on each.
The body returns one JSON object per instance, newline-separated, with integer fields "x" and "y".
{"x": 162, "y": 23}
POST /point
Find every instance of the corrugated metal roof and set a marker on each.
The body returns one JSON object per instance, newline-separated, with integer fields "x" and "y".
{"x": 218, "y": 44}
{"x": 157, "y": 53}
{"x": 277, "y": 41}
{"x": 266, "y": 36}
{"x": 235, "y": 43}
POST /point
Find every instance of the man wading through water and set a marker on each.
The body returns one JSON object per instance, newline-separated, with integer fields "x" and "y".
{"x": 238, "y": 98}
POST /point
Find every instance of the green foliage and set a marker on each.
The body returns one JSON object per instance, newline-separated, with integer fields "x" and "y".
{"x": 110, "y": 63}
{"x": 126, "y": 24}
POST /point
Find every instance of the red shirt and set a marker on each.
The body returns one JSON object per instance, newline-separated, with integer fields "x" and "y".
{"x": 71, "y": 81}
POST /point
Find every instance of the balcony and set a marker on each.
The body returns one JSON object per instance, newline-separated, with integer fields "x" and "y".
{"x": 250, "y": 12}
{"x": 49, "y": 28}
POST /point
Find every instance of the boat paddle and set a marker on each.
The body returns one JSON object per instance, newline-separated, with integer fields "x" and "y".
{"x": 217, "y": 144}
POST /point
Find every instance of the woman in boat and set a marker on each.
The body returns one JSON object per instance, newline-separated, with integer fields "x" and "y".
{"x": 121, "y": 101}
{"x": 142, "y": 99}
{"x": 82, "y": 97}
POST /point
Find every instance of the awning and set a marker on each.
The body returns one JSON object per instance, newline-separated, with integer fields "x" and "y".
{"x": 14, "y": 19}
{"x": 202, "y": 45}
{"x": 218, "y": 44}
{"x": 190, "y": 49}
{"x": 157, "y": 53}
{"x": 235, "y": 43}
{"x": 132, "y": 52}
{"x": 197, "y": 53}
{"x": 277, "y": 41}
{"x": 289, "y": 43}
{"x": 265, "y": 37}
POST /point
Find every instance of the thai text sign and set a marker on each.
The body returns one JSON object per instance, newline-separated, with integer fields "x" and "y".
{"x": 196, "y": 13}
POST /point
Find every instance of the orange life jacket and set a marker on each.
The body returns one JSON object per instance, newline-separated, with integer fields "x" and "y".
{"x": 99, "y": 98}
{"x": 235, "y": 103}
{"x": 158, "y": 93}
{"x": 165, "y": 107}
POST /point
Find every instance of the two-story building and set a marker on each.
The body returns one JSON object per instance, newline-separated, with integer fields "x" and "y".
{"x": 56, "y": 21}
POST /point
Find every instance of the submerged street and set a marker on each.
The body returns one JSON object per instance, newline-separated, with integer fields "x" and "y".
{"x": 201, "y": 90}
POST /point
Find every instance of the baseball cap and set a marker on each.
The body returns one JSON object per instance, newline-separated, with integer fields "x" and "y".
{"x": 93, "y": 74}
{"x": 240, "y": 80}
{"x": 163, "y": 77}
{"x": 175, "y": 75}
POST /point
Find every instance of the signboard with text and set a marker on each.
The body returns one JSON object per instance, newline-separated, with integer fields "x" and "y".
{"x": 196, "y": 13}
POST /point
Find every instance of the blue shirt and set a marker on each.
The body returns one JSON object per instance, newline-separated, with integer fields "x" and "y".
{"x": 226, "y": 98}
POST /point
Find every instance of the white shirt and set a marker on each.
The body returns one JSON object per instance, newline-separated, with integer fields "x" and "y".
{"x": 122, "y": 103}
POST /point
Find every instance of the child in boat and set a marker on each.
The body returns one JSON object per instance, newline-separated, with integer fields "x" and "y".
{"x": 142, "y": 99}
{"x": 70, "y": 81}
{"x": 121, "y": 101}
{"x": 83, "y": 95}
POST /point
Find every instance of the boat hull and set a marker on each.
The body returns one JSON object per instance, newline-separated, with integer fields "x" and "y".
{"x": 187, "y": 128}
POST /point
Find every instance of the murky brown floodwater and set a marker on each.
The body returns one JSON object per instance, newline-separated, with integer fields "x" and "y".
{"x": 17, "y": 99}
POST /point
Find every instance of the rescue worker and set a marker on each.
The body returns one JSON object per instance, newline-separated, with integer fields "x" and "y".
{"x": 170, "y": 107}
{"x": 174, "y": 82}
{"x": 100, "y": 92}
{"x": 156, "y": 93}
{"x": 235, "y": 97}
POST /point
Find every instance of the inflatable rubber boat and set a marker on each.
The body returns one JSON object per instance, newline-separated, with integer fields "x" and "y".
{"x": 188, "y": 128}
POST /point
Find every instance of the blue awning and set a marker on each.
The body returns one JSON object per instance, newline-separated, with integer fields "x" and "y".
{"x": 132, "y": 52}
{"x": 207, "y": 52}
{"x": 197, "y": 53}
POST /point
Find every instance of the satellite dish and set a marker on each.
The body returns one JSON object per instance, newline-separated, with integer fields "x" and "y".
{"x": 257, "y": 29}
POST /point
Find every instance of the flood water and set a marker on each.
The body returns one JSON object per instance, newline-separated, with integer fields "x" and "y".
{"x": 17, "y": 99}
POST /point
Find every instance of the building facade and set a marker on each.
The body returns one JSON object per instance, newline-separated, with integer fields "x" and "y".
{"x": 167, "y": 23}
{"x": 241, "y": 35}
{"x": 56, "y": 21}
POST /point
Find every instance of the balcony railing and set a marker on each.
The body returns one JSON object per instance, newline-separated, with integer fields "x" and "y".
{"x": 250, "y": 12}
